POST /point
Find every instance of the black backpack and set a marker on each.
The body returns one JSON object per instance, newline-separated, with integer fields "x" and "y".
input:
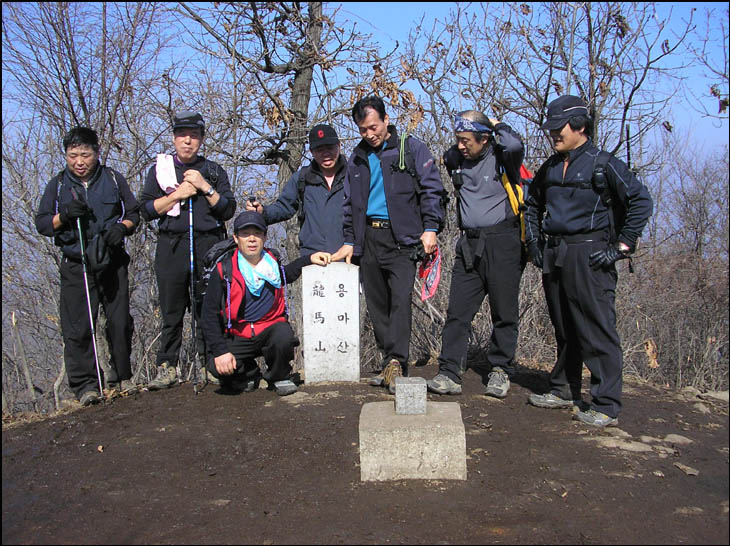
{"x": 221, "y": 251}
{"x": 609, "y": 196}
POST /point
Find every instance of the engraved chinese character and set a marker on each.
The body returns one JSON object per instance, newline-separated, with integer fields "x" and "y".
{"x": 319, "y": 318}
{"x": 319, "y": 347}
{"x": 318, "y": 289}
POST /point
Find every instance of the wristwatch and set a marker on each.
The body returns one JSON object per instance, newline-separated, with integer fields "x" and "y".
{"x": 623, "y": 248}
{"x": 210, "y": 192}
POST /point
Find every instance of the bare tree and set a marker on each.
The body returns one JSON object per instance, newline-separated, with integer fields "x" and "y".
{"x": 711, "y": 54}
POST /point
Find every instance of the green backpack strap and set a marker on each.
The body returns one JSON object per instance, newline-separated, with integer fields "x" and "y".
{"x": 402, "y": 152}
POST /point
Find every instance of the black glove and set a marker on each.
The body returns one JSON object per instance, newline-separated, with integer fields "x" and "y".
{"x": 535, "y": 253}
{"x": 606, "y": 258}
{"x": 418, "y": 254}
{"x": 113, "y": 235}
{"x": 72, "y": 210}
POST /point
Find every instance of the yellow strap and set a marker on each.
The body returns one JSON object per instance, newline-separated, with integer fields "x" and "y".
{"x": 515, "y": 201}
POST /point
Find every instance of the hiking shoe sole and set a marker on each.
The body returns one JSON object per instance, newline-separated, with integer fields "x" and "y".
{"x": 89, "y": 398}
{"x": 376, "y": 381}
{"x": 550, "y": 401}
{"x": 442, "y": 384}
{"x": 285, "y": 387}
{"x": 595, "y": 419}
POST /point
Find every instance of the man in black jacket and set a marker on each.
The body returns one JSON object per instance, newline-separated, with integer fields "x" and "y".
{"x": 172, "y": 186}
{"x": 315, "y": 193}
{"x": 389, "y": 213}
{"x": 488, "y": 255}
{"x": 100, "y": 199}
{"x": 573, "y": 240}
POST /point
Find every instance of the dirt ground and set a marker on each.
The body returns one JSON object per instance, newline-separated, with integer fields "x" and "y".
{"x": 175, "y": 467}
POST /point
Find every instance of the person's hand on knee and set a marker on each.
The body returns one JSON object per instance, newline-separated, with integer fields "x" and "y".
{"x": 225, "y": 364}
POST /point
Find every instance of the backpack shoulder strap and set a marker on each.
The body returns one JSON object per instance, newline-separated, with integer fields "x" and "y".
{"x": 600, "y": 179}
{"x": 603, "y": 186}
{"x": 301, "y": 186}
{"x": 211, "y": 173}
{"x": 406, "y": 163}
{"x": 59, "y": 182}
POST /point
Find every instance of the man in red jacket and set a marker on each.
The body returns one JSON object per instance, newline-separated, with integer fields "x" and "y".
{"x": 245, "y": 314}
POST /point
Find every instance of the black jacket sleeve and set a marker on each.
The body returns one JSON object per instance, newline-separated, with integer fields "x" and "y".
{"x": 47, "y": 209}
{"x": 510, "y": 150}
{"x": 293, "y": 270}
{"x": 535, "y": 205}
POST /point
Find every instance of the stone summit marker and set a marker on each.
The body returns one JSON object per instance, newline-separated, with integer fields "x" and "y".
{"x": 331, "y": 322}
{"x": 413, "y": 439}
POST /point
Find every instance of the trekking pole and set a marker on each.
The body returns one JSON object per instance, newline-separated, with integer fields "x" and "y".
{"x": 88, "y": 300}
{"x": 192, "y": 296}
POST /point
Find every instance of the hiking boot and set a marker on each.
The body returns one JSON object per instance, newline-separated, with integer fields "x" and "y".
{"x": 550, "y": 401}
{"x": 204, "y": 376}
{"x": 166, "y": 378}
{"x": 88, "y": 398}
{"x": 285, "y": 387}
{"x": 498, "y": 385}
{"x": 442, "y": 384}
{"x": 391, "y": 371}
{"x": 378, "y": 380}
{"x": 127, "y": 386}
{"x": 253, "y": 384}
{"x": 596, "y": 418}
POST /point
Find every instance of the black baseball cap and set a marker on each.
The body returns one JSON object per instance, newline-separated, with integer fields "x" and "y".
{"x": 322, "y": 135}
{"x": 249, "y": 218}
{"x": 188, "y": 119}
{"x": 561, "y": 110}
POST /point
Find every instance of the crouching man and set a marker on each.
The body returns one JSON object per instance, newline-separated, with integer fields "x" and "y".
{"x": 244, "y": 311}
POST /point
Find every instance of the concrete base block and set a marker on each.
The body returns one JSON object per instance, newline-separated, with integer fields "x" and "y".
{"x": 429, "y": 446}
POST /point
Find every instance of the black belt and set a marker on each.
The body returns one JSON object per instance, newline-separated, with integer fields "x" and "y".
{"x": 556, "y": 240}
{"x": 502, "y": 227}
{"x": 378, "y": 223}
{"x": 561, "y": 242}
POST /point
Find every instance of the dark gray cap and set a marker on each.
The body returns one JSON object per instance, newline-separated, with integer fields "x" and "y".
{"x": 561, "y": 110}
{"x": 249, "y": 218}
{"x": 188, "y": 119}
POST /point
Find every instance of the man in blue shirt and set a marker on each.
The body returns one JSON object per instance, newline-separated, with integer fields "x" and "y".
{"x": 389, "y": 213}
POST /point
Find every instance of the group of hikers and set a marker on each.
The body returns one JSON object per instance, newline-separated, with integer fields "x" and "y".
{"x": 381, "y": 209}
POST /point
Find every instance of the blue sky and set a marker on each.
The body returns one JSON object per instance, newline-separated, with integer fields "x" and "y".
{"x": 391, "y": 21}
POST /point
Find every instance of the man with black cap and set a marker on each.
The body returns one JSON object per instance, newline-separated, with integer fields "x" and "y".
{"x": 94, "y": 201}
{"x": 176, "y": 183}
{"x": 245, "y": 313}
{"x": 575, "y": 238}
{"x": 316, "y": 192}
